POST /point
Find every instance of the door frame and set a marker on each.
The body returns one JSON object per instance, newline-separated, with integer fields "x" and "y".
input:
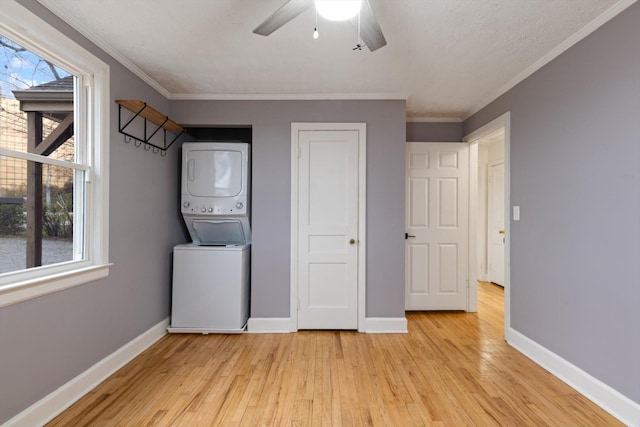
{"x": 503, "y": 121}
{"x": 296, "y": 127}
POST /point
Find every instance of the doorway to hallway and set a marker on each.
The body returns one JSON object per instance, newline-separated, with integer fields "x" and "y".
{"x": 490, "y": 148}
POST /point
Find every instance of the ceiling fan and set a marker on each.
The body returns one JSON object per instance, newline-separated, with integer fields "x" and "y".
{"x": 369, "y": 29}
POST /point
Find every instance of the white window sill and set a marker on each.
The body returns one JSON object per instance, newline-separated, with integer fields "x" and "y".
{"x": 32, "y": 288}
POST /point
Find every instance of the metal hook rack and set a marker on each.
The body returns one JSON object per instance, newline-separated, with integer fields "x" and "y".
{"x": 148, "y": 114}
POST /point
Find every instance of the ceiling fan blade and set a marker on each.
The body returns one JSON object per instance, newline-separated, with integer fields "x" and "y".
{"x": 286, "y": 13}
{"x": 370, "y": 30}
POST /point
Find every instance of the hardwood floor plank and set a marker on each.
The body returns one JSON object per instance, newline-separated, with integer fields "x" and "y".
{"x": 451, "y": 369}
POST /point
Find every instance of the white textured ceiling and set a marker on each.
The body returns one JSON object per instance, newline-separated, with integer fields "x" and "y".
{"x": 448, "y": 57}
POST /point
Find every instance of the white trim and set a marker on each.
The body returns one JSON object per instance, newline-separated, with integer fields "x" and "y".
{"x": 489, "y": 128}
{"x": 592, "y": 26}
{"x": 98, "y": 187}
{"x": 205, "y": 331}
{"x": 504, "y": 121}
{"x": 23, "y": 155}
{"x": 83, "y": 29}
{"x": 286, "y": 96}
{"x": 362, "y": 214}
{"x": 54, "y": 403}
{"x": 23, "y": 27}
{"x": 43, "y": 285}
{"x": 435, "y": 119}
{"x": 270, "y": 325}
{"x": 472, "y": 255}
{"x": 385, "y": 325}
{"x": 609, "y": 399}
{"x": 55, "y": 7}
{"x": 61, "y": 12}
{"x": 362, "y": 225}
{"x": 33, "y": 33}
{"x": 293, "y": 267}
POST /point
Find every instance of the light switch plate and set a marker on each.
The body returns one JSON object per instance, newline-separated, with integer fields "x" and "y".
{"x": 516, "y": 213}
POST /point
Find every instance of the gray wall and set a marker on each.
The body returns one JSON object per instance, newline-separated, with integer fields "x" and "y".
{"x": 575, "y": 172}
{"x": 434, "y": 132}
{"x": 271, "y": 193}
{"x": 49, "y": 340}
{"x": 574, "y": 165}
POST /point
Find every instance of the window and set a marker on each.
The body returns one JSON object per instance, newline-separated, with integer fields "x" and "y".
{"x": 53, "y": 159}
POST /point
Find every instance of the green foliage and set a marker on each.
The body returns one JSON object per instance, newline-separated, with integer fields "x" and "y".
{"x": 57, "y": 217}
{"x": 12, "y": 219}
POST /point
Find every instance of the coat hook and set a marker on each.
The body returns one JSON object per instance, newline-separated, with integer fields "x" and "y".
{"x": 147, "y": 147}
{"x": 137, "y": 143}
{"x": 127, "y": 139}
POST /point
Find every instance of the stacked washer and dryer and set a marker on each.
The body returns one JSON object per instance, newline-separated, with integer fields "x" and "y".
{"x": 210, "y": 292}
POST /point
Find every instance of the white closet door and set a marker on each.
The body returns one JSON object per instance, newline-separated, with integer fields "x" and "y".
{"x": 328, "y": 229}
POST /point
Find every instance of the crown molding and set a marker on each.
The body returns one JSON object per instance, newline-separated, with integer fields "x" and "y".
{"x": 592, "y": 26}
{"x": 61, "y": 13}
{"x": 606, "y": 16}
{"x": 434, "y": 119}
{"x": 285, "y": 96}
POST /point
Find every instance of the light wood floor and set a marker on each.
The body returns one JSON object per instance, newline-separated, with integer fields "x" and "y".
{"x": 452, "y": 369}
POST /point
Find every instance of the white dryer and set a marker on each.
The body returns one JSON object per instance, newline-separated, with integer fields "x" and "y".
{"x": 215, "y": 192}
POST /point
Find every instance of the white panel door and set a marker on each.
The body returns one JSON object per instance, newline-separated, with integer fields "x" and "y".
{"x": 437, "y": 220}
{"x": 495, "y": 230}
{"x": 328, "y": 229}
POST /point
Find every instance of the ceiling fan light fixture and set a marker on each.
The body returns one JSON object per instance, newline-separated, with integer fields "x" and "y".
{"x": 338, "y": 10}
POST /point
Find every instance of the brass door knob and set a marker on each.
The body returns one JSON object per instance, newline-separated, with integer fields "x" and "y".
{"x": 352, "y": 241}
{"x": 501, "y": 231}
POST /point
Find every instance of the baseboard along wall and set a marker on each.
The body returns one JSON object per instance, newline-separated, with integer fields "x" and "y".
{"x": 609, "y": 399}
{"x": 54, "y": 403}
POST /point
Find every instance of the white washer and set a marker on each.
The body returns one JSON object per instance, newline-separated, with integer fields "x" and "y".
{"x": 210, "y": 288}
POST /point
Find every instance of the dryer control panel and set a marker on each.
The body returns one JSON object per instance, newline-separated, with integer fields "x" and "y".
{"x": 214, "y": 206}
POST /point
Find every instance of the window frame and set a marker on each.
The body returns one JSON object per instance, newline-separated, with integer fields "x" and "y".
{"x": 92, "y": 119}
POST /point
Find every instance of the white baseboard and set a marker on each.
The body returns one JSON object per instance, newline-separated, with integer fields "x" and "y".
{"x": 372, "y": 325}
{"x": 269, "y": 325}
{"x": 385, "y": 325}
{"x": 53, "y": 404}
{"x": 612, "y": 401}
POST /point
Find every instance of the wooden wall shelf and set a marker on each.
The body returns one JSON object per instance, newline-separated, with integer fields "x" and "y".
{"x": 148, "y": 114}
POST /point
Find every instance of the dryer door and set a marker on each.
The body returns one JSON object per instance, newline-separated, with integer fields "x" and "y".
{"x": 214, "y": 173}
